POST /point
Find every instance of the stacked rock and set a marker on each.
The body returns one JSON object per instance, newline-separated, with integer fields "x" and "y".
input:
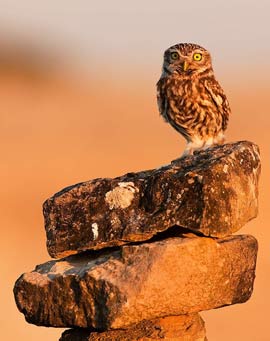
{"x": 142, "y": 254}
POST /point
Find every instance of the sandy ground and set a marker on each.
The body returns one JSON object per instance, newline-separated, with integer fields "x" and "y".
{"x": 58, "y": 131}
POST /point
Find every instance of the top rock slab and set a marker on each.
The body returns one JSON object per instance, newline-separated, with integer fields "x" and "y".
{"x": 214, "y": 192}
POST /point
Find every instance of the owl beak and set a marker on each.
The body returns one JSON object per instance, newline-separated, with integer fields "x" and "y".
{"x": 185, "y": 66}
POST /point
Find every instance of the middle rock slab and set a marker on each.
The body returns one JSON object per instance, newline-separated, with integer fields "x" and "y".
{"x": 115, "y": 289}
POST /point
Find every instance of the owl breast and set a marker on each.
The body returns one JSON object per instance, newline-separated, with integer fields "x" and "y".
{"x": 190, "y": 107}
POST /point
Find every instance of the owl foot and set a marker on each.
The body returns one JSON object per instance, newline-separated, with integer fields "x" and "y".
{"x": 198, "y": 144}
{"x": 187, "y": 152}
{"x": 192, "y": 147}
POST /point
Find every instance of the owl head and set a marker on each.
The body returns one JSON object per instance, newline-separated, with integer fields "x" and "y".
{"x": 186, "y": 59}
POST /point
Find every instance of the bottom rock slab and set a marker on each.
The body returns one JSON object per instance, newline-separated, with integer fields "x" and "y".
{"x": 172, "y": 328}
{"x": 114, "y": 289}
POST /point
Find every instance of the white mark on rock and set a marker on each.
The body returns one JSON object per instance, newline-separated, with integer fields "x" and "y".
{"x": 95, "y": 230}
{"x": 122, "y": 195}
{"x": 225, "y": 168}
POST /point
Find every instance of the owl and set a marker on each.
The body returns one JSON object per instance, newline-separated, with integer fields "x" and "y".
{"x": 190, "y": 98}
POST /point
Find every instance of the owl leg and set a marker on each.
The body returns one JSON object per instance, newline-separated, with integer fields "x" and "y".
{"x": 188, "y": 151}
{"x": 196, "y": 144}
{"x": 209, "y": 142}
{"x": 220, "y": 139}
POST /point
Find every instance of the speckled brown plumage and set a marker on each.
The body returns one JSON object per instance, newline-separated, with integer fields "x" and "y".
{"x": 190, "y": 98}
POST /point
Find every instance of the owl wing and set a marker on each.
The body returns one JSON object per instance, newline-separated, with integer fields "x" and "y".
{"x": 219, "y": 98}
{"x": 161, "y": 99}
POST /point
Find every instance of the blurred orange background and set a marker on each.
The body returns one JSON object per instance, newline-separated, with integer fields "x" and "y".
{"x": 77, "y": 101}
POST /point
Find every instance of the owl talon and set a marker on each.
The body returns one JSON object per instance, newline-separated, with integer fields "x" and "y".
{"x": 188, "y": 152}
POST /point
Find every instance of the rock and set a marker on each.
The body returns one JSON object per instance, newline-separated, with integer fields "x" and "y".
{"x": 214, "y": 193}
{"x": 115, "y": 288}
{"x": 172, "y": 328}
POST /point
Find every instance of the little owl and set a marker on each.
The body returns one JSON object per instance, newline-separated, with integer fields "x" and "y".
{"x": 190, "y": 98}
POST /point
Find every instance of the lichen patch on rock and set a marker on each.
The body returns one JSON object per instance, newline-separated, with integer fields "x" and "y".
{"x": 121, "y": 196}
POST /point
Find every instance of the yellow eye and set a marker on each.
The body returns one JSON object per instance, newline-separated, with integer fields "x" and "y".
{"x": 174, "y": 55}
{"x": 197, "y": 57}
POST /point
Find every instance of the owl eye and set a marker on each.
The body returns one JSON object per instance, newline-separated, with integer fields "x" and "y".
{"x": 197, "y": 57}
{"x": 174, "y": 55}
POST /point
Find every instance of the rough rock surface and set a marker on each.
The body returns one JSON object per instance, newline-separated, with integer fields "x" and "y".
{"x": 173, "y": 328}
{"x": 213, "y": 192}
{"x": 115, "y": 288}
